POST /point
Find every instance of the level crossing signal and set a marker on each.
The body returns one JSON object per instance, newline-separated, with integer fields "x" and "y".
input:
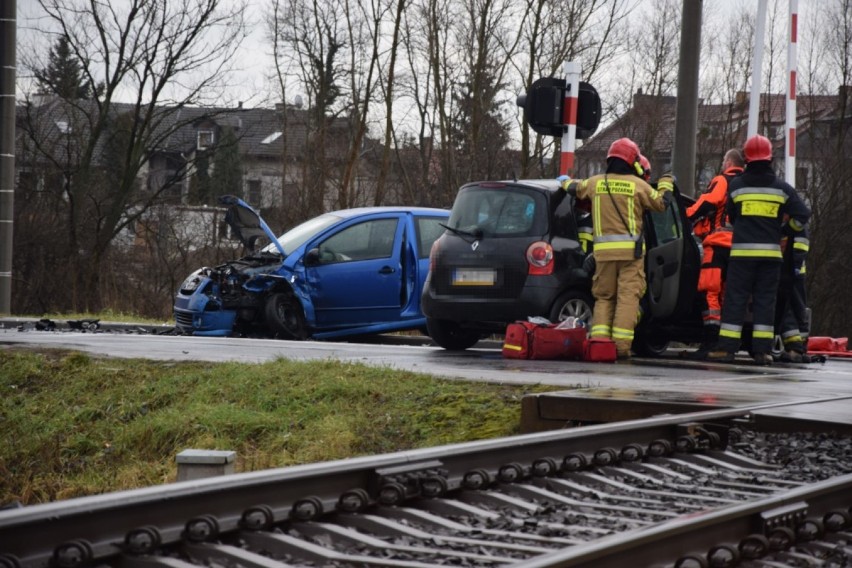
{"x": 544, "y": 107}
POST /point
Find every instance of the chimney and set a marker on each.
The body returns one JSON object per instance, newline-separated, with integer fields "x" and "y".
{"x": 742, "y": 98}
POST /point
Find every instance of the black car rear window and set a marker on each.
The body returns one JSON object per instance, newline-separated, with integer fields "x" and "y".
{"x": 500, "y": 211}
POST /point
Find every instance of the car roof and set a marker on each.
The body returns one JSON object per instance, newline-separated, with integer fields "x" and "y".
{"x": 545, "y": 184}
{"x": 356, "y": 211}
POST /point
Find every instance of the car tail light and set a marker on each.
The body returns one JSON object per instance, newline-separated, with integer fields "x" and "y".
{"x": 540, "y": 258}
{"x": 433, "y": 256}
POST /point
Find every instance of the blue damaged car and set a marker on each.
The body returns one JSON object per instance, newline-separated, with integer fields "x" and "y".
{"x": 350, "y": 272}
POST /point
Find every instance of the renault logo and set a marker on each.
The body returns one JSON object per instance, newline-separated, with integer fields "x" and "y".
{"x": 474, "y": 245}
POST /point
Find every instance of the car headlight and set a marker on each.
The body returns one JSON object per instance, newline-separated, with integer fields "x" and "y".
{"x": 190, "y": 284}
{"x": 192, "y": 281}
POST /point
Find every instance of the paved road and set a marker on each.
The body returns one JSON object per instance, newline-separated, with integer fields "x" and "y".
{"x": 661, "y": 379}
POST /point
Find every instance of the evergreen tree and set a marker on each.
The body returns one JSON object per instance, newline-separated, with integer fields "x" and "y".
{"x": 480, "y": 129}
{"x": 63, "y": 75}
{"x": 199, "y": 184}
{"x": 227, "y": 176}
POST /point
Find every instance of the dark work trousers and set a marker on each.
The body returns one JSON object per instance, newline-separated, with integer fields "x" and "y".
{"x": 757, "y": 279}
{"x": 791, "y": 313}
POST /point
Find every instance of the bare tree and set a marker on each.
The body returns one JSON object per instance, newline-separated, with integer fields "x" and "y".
{"x": 827, "y": 145}
{"x": 588, "y": 31}
{"x": 154, "y": 56}
{"x": 310, "y": 40}
{"x": 364, "y": 21}
{"x": 388, "y": 84}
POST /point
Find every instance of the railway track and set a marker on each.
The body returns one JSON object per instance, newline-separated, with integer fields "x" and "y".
{"x": 706, "y": 489}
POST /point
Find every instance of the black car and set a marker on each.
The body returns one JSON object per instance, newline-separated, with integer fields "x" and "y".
{"x": 511, "y": 250}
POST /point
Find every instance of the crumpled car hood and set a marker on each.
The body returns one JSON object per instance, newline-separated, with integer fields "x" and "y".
{"x": 247, "y": 223}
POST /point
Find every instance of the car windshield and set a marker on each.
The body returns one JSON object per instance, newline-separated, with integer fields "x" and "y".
{"x": 295, "y": 237}
{"x": 500, "y": 211}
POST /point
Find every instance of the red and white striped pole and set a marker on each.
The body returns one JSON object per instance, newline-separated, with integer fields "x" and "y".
{"x": 757, "y": 68}
{"x": 569, "y": 117}
{"x": 790, "y": 145}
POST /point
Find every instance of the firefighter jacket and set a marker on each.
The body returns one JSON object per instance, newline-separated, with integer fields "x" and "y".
{"x": 585, "y": 232}
{"x": 618, "y": 204}
{"x": 795, "y": 246}
{"x": 756, "y": 206}
{"x": 708, "y": 212}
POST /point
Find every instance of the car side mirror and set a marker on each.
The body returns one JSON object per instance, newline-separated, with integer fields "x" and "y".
{"x": 312, "y": 257}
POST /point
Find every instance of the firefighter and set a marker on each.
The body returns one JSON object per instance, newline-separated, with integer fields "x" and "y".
{"x": 710, "y": 224}
{"x": 619, "y": 200}
{"x": 792, "y": 321}
{"x": 756, "y": 205}
{"x": 646, "y": 167}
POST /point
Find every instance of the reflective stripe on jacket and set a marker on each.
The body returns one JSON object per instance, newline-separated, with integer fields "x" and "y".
{"x": 618, "y": 203}
{"x": 756, "y": 205}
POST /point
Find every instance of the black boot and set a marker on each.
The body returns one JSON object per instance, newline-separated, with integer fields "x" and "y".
{"x": 711, "y": 337}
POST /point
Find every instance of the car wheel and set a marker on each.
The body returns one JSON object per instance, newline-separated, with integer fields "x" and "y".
{"x": 649, "y": 344}
{"x": 285, "y": 317}
{"x": 451, "y": 336}
{"x": 572, "y": 303}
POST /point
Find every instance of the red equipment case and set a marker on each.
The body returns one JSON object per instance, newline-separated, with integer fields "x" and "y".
{"x": 600, "y": 349}
{"x": 526, "y": 340}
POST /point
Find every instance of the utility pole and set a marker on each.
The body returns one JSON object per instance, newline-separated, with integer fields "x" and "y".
{"x": 686, "y": 113}
{"x": 7, "y": 149}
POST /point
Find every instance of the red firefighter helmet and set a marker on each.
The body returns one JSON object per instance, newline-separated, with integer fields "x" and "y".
{"x": 757, "y": 148}
{"x": 646, "y": 167}
{"x": 624, "y": 148}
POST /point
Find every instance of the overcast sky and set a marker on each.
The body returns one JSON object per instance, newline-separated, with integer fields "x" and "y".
{"x": 254, "y": 63}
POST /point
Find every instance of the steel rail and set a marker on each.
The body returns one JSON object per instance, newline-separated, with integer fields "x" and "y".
{"x": 699, "y": 537}
{"x": 78, "y": 532}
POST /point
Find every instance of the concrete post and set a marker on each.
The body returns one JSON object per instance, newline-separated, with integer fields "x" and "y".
{"x": 686, "y": 114}
{"x": 199, "y": 464}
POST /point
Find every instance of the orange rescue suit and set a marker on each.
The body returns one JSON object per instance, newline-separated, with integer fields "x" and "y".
{"x": 710, "y": 224}
{"x": 708, "y": 212}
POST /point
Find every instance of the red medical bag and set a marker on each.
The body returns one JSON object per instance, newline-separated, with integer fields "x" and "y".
{"x": 526, "y": 340}
{"x": 600, "y": 349}
{"x": 828, "y": 344}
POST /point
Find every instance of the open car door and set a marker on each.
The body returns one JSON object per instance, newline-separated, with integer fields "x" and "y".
{"x": 672, "y": 261}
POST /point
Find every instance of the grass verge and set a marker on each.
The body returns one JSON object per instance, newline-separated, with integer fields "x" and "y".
{"x": 75, "y": 425}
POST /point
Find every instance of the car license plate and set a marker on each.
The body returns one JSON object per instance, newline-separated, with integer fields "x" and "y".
{"x": 473, "y": 277}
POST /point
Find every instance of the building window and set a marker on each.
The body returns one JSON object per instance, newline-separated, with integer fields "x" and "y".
{"x": 205, "y": 139}
{"x": 253, "y": 193}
